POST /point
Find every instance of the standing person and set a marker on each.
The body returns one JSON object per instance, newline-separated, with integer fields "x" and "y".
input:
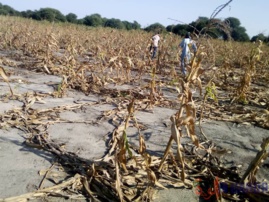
{"x": 185, "y": 56}
{"x": 155, "y": 41}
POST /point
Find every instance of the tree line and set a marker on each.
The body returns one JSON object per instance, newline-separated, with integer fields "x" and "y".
{"x": 229, "y": 28}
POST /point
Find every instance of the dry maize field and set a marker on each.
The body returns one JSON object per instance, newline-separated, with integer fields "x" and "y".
{"x": 230, "y": 78}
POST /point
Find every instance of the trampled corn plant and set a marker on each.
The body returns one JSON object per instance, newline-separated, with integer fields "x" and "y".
{"x": 186, "y": 116}
{"x": 175, "y": 135}
{"x": 249, "y": 176}
{"x": 123, "y": 66}
{"x": 51, "y": 46}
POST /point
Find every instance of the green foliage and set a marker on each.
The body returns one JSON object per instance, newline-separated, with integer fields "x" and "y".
{"x": 7, "y": 10}
{"x": 3, "y": 11}
{"x": 49, "y": 14}
{"x": 238, "y": 33}
{"x": 258, "y": 37}
{"x": 214, "y": 28}
{"x": 136, "y": 25}
{"x": 156, "y": 27}
{"x": 114, "y": 23}
{"x": 80, "y": 21}
{"x": 210, "y": 27}
{"x": 126, "y": 144}
{"x": 170, "y": 28}
{"x": 211, "y": 91}
{"x": 27, "y": 14}
{"x": 129, "y": 25}
{"x": 199, "y": 25}
{"x": 71, "y": 17}
{"x": 178, "y": 29}
{"x": 232, "y": 22}
{"x": 94, "y": 20}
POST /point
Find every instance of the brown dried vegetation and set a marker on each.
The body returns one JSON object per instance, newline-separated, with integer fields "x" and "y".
{"x": 88, "y": 59}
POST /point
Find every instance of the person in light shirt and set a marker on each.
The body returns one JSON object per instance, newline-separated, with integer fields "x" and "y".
{"x": 185, "y": 56}
{"x": 155, "y": 41}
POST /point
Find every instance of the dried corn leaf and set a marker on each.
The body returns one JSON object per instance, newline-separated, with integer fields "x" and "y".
{"x": 5, "y": 77}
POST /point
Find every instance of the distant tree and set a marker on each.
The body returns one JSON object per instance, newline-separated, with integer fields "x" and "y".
{"x": 71, "y": 17}
{"x": 114, "y": 23}
{"x": 238, "y": 33}
{"x": 259, "y": 37}
{"x": 127, "y": 25}
{"x": 136, "y": 25}
{"x": 130, "y": 25}
{"x": 27, "y": 14}
{"x": 3, "y": 11}
{"x": 50, "y": 14}
{"x": 94, "y": 20}
{"x": 36, "y": 15}
{"x": 156, "y": 27}
{"x": 217, "y": 28}
{"x": 232, "y": 22}
{"x": 214, "y": 32}
{"x": 199, "y": 25}
{"x": 204, "y": 25}
{"x": 170, "y": 28}
{"x": 47, "y": 14}
{"x": 7, "y": 10}
{"x": 178, "y": 29}
{"x": 80, "y": 21}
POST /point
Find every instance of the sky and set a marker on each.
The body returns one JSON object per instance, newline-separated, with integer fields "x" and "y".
{"x": 253, "y": 14}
